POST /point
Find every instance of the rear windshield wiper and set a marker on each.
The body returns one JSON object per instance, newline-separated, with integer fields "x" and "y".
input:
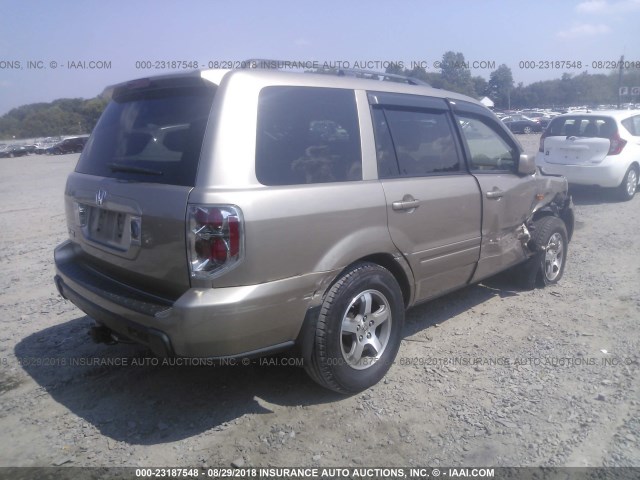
{"x": 118, "y": 167}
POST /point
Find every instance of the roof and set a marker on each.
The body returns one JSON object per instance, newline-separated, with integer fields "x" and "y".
{"x": 279, "y": 77}
{"x": 276, "y": 77}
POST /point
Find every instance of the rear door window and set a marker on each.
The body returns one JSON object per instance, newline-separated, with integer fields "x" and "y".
{"x": 150, "y": 134}
{"x": 307, "y": 135}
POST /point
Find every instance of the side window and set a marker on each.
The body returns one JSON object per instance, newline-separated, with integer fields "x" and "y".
{"x": 636, "y": 125}
{"x": 628, "y": 124}
{"x": 307, "y": 135}
{"x": 633, "y": 125}
{"x": 490, "y": 151}
{"x": 423, "y": 143}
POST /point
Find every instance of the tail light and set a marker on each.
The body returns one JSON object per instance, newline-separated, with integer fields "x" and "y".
{"x": 616, "y": 145}
{"x": 215, "y": 238}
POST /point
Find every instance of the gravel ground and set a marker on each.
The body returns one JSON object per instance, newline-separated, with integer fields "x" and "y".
{"x": 557, "y": 383}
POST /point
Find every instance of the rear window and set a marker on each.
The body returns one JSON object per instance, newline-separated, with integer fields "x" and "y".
{"x": 582, "y": 126}
{"x": 150, "y": 134}
{"x": 307, "y": 135}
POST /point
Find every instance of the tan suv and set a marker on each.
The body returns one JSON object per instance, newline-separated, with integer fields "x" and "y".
{"x": 239, "y": 213}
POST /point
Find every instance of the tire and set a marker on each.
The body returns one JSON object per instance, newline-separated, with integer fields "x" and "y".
{"x": 358, "y": 330}
{"x": 550, "y": 236}
{"x": 549, "y": 239}
{"x": 527, "y": 129}
{"x": 627, "y": 188}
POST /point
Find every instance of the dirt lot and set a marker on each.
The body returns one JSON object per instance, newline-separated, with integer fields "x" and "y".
{"x": 558, "y": 383}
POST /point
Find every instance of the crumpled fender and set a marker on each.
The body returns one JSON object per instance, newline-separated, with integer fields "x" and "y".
{"x": 552, "y": 198}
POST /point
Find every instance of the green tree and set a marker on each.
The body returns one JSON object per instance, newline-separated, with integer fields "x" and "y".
{"x": 500, "y": 86}
{"x": 480, "y": 86}
{"x": 67, "y": 116}
{"x": 418, "y": 73}
{"x": 455, "y": 74}
{"x": 395, "y": 69}
{"x": 91, "y": 111}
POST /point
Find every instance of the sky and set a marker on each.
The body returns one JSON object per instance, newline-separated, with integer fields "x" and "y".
{"x": 71, "y": 49}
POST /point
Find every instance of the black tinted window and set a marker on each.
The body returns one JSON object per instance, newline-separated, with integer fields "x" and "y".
{"x": 423, "y": 142}
{"x": 307, "y": 135}
{"x": 150, "y": 135}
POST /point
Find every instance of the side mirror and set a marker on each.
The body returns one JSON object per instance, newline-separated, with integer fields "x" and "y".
{"x": 526, "y": 165}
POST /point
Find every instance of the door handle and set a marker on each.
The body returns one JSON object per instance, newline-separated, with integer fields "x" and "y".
{"x": 495, "y": 194}
{"x": 405, "y": 205}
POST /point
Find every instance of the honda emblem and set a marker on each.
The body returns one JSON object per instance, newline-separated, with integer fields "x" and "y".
{"x": 100, "y": 196}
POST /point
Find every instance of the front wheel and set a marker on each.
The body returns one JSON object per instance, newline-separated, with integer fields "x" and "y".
{"x": 546, "y": 267}
{"x": 527, "y": 129}
{"x": 627, "y": 188}
{"x": 550, "y": 235}
{"x": 358, "y": 331}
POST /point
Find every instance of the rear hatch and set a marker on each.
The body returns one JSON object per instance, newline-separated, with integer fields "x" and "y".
{"x": 126, "y": 201}
{"x": 578, "y": 140}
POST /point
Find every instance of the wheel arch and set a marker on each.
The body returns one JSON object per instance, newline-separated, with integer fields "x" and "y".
{"x": 566, "y": 217}
{"x": 561, "y": 207}
{"x": 396, "y": 265}
{"x": 399, "y": 269}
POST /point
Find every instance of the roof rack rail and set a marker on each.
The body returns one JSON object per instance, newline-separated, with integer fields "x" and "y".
{"x": 271, "y": 64}
{"x": 410, "y": 80}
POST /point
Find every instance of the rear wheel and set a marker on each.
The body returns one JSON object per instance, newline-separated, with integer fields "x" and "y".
{"x": 358, "y": 331}
{"x": 527, "y": 129}
{"x": 627, "y": 188}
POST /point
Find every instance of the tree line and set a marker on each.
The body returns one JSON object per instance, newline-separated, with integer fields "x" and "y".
{"x": 72, "y": 116}
{"x": 569, "y": 90}
{"x": 66, "y": 116}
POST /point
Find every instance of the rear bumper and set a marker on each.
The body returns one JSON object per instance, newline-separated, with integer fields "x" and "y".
{"x": 156, "y": 340}
{"x": 609, "y": 173}
{"x": 213, "y": 323}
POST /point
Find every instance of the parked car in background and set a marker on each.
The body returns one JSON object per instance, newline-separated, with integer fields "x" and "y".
{"x": 13, "y": 151}
{"x": 521, "y": 124}
{"x": 598, "y": 148}
{"x": 43, "y": 145}
{"x": 540, "y": 118}
{"x": 68, "y": 145}
{"x": 30, "y": 148}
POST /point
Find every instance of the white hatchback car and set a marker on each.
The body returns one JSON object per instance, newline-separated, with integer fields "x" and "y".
{"x": 595, "y": 148}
